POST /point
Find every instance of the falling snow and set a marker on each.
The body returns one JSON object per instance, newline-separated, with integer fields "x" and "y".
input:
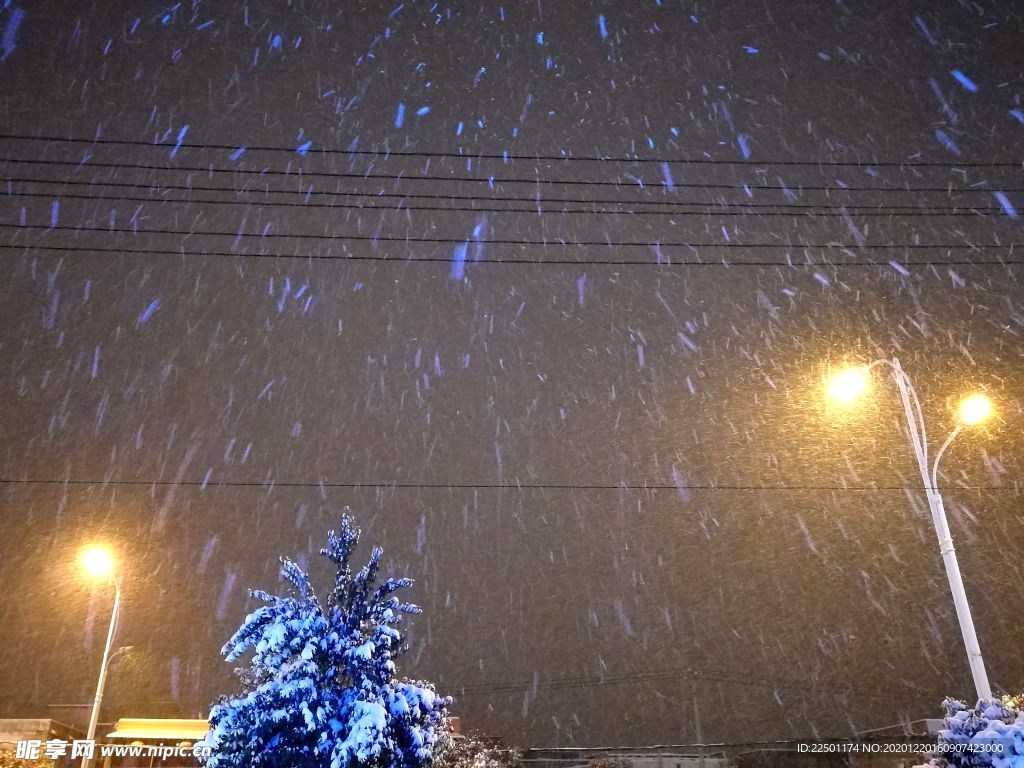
{"x": 549, "y": 296}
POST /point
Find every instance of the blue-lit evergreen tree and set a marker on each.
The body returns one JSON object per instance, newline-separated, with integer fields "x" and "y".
{"x": 321, "y": 688}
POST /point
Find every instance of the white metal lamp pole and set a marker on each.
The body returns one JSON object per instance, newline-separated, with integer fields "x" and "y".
{"x": 99, "y": 563}
{"x": 975, "y": 410}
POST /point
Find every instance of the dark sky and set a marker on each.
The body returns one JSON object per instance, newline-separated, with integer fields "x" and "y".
{"x": 547, "y": 294}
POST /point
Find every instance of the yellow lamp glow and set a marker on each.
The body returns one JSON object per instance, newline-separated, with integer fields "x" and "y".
{"x": 97, "y": 562}
{"x": 974, "y": 409}
{"x": 848, "y": 385}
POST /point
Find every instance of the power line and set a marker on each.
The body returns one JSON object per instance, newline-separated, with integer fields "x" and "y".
{"x": 816, "y": 211}
{"x": 507, "y": 156}
{"x": 503, "y": 241}
{"x": 206, "y": 485}
{"x": 778, "y": 747}
{"x": 719, "y": 676}
{"x": 435, "y": 196}
{"x": 656, "y": 186}
{"x": 182, "y": 253}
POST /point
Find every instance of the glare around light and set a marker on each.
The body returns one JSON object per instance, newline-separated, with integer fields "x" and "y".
{"x": 848, "y": 385}
{"x": 974, "y": 409}
{"x": 97, "y": 562}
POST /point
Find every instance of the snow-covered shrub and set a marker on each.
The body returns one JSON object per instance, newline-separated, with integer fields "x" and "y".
{"x": 1014, "y": 701}
{"x": 990, "y": 734}
{"x": 608, "y": 761}
{"x": 474, "y": 751}
{"x": 9, "y": 760}
{"x": 321, "y": 689}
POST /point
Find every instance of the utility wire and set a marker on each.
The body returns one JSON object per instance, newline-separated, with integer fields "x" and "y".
{"x": 534, "y": 158}
{"x": 714, "y": 675}
{"x": 814, "y": 211}
{"x": 182, "y": 253}
{"x": 436, "y": 196}
{"x": 303, "y": 175}
{"x": 500, "y": 241}
{"x": 658, "y": 185}
{"x": 206, "y": 485}
{"x": 574, "y": 754}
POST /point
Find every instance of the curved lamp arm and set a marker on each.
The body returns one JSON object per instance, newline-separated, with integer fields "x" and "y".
{"x": 942, "y": 450}
{"x": 922, "y": 430}
{"x": 915, "y": 416}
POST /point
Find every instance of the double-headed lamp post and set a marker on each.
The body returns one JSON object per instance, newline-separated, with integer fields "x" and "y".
{"x": 99, "y": 564}
{"x": 849, "y": 385}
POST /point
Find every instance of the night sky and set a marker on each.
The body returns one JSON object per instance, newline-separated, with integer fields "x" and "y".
{"x": 548, "y": 295}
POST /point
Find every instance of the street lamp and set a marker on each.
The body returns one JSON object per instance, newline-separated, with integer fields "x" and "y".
{"x": 99, "y": 564}
{"x": 846, "y": 387}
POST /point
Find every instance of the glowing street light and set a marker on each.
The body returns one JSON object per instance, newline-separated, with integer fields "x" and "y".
{"x": 846, "y": 387}
{"x": 974, "y": 409}
{"x": 98, "y": 563}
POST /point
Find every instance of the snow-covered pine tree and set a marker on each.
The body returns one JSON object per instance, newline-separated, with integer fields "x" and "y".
{"x": 322, "y": 690}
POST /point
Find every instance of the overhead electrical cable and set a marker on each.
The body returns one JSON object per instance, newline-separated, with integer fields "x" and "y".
{"x": 655, "y": 186}
{"x": 732, "y": 209}
{"x": 552, "y": 242}
{"x": 397, "y": 260}
{"x": 395, "y": 485}
{"x": 507, "y": 156}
